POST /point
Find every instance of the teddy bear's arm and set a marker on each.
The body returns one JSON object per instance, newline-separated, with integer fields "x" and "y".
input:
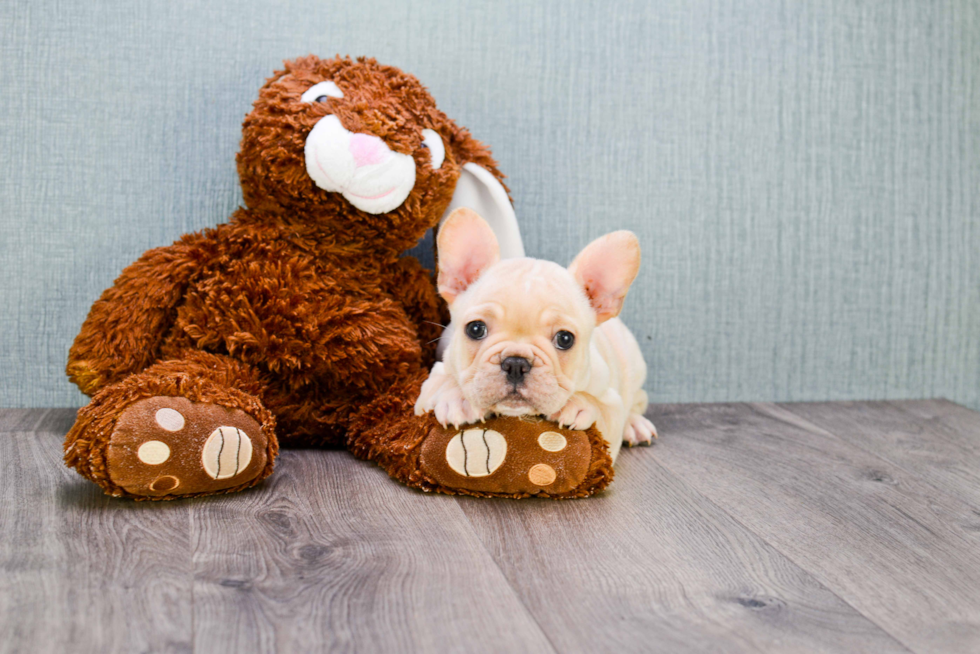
{"x": 126, "y": 325}
{"x": 413, "y": 287}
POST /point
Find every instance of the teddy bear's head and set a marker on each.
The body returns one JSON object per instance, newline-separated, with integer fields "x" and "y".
{"x": 359, "y": 151}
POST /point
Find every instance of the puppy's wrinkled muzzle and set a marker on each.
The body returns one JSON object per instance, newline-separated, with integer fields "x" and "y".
{"x": 516, "y": 368}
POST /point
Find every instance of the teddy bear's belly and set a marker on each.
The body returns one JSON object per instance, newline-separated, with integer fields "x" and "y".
{"x": 282, "y": 330}
{"x": 267, "y": 324}
{"x": 315, "y": 336}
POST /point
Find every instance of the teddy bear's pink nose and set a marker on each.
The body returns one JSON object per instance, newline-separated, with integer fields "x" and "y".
{"x": 368, "y": 149}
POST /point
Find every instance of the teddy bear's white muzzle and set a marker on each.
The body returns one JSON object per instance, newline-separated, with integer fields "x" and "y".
{"x": 361, "y": 167}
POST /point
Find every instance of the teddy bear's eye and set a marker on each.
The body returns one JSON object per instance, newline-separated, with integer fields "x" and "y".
{"x": 320, "y": 92}
{"x": 432, "y": 141}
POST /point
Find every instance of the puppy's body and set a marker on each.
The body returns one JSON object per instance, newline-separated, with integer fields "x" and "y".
{"x": 616, "y": 386}
{"x": 524, "y": 338}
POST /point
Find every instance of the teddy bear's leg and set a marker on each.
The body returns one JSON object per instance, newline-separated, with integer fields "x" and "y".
{"x": 182, "y": 427}
{"x": 503, "y": 457}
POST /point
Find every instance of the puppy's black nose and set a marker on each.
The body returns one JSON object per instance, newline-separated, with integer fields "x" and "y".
{"x": 516, "y": 368}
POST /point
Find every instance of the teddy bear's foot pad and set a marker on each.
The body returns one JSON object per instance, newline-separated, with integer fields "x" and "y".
{"x": 507, "y": 457}
{"x": 171, "y": 446}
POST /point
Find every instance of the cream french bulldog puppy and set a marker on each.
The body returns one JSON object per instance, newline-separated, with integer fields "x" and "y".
{"x": 529, "y": 337}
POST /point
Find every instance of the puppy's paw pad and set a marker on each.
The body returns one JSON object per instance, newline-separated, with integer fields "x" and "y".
{"x": 638, "y": 431}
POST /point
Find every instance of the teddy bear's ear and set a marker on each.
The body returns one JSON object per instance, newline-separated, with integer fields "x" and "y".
{"x": 479, "y": 190}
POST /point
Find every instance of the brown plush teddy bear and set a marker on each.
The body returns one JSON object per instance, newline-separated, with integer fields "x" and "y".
{"x": 298, "y": 322}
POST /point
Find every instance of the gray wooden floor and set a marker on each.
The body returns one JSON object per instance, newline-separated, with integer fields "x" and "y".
{"x": 851, "y": 527}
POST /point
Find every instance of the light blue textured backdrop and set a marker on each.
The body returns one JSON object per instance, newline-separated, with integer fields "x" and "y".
{"x": 803, "y": 176}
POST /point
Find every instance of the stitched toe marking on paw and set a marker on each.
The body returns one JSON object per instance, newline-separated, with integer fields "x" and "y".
{"x": 165, "y": 483}
{"x": 552, "y": 441}
{"x": 153, "y": 453}
{"x": 541, "y": 474}
{"x": 476, "y": 452}
{"x": 227, "y": 451}
{"x": 170, "y": 419}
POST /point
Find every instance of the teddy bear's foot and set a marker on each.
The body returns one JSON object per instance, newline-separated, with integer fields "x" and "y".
{"x": 515, "y": 457}
{"x": 171, "y": 446}
{"x": 502, "y": 457}
{"x": 182, "y": 427}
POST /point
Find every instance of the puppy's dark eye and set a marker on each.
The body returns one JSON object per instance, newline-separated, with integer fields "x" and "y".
{"x": 564, "y": 340}
{"x": 477, "y": 330}
{"x": 425, "y": 145}
{"x": 322, "y": 98}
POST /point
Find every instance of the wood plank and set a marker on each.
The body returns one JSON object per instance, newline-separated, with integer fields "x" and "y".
{"x": 936, "y": 441}
{"x": 746, "y": 528}
{"x": 54, "y": 421}
{"x": 652, "y": 566}
{"x": 956, "y": 424}
{"x": 331, "y": 554}
{"x": 83, "y": 572}
{"x": 886, "y": 542}
{"x": 19, "y": 419}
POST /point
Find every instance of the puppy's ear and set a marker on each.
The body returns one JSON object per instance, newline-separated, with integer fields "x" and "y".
{"x": 467, "y": 246}
{"x": 605, "y": 269}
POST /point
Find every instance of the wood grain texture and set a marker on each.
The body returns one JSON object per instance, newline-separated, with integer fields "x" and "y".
{"x": 83, "y": 572}
{"x": 885, "y": 541}
{"x": 330, "y": 554}
{"x": 746, "y": 528}
{"x": 38, "y": 421}
{"x": 652, "y": 566}
{"x": 937, "y": 441}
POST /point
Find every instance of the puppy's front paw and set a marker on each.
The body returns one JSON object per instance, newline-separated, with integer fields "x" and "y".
{"x": 451, "y": 408}
{"x": 638, "y": 431}
{"x": 432, "y": 388}
{"x": 578, "y": 413}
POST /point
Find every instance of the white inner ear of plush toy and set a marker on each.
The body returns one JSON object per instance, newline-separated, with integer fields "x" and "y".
{"x": 433, "y": 141}
{"x": 328, "y": 89}
{"x": 480, "y": 191}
